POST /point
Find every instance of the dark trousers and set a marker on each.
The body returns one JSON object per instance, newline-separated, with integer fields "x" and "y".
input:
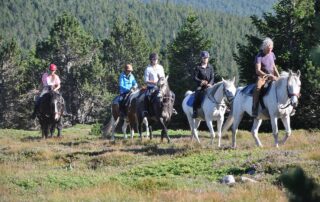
{"x": 198, "y": 94}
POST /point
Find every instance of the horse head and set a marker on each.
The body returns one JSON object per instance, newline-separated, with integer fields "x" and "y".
{"x": 163, "y": 87}
{"x": 294, "y": 87}
{"x": 56, "y": 105}
{"x": 229, "y": 89}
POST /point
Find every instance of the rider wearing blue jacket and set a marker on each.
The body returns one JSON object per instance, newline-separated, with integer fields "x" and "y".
{"x": 127, "y": 82}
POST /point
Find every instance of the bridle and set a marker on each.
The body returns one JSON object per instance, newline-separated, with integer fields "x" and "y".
{"x": 226, "y": 92}
{"x": 290, "y": 95}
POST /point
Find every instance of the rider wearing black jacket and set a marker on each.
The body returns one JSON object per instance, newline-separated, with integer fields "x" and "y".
{"x": 204, "y": 77}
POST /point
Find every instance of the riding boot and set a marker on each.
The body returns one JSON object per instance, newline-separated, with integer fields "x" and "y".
{"x": 255, "y": 102}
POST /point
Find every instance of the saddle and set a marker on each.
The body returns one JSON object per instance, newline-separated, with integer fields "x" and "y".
{"x": 248, "y": 90}
{"x": 192, "y": 98}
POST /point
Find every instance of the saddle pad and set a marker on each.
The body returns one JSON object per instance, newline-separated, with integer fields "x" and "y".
{"x": 248, "y": 90}
{"x": 116, "y": 100}
{"x": 190, "y": 100}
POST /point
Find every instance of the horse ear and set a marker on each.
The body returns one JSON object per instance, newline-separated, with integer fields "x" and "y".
{"x": 290, "y": 72}
{"x": 167, "y": 77}
{"x": 298, "y": 73}
{"x": 223, "y": 79}
{"x": 234, "y": 79}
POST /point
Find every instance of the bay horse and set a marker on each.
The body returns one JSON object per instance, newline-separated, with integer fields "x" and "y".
{"x": 160, "y": 109}
{"x": 129, "y": 120}
{"x": 213, "y": 107}
{"x": 50, "y": 113}
{"x": 279, "y": 102}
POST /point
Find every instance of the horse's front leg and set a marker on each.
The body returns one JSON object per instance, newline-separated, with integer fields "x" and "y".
{"x": 274, "y": 124}
{"x": 210, "y": 126}
{"x": 59, "y": 127}
{"x": 113, "y": 127}
{"x": 164, "y": 131}
{"x": 255, "y": 130}
{"x": 286, "y": 122}
{"x": 219, "y": 128}
{"x": 145, "y": 121}
{"x": 124, "y": 128}
{"x": 52, "y": 129}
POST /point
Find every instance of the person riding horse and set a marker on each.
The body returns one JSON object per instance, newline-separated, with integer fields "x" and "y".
{"x": 127, "y": 83}
{"x": 204, "y": 77}
{"x": 49, "y": 81}
{"x": 152, "y": 73}
{"x": 265, "y": 70}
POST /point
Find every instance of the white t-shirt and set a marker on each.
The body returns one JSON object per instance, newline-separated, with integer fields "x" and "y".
{"x": 153, "y": 74}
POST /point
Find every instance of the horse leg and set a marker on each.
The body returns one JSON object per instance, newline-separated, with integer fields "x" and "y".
{"x": 235, "y": 125}
{"x": 191, "y": 124}
{"x": 210, "y": 126}
{"x": 150, "y": 130}
{"x": 219, "y": 128}
{"x": 145, "y": 121}
{"x": 164, "y": 131}
{"x": 255, "y": 130}
{"x": 46, "y": 130}
{"x": 195, "y": 129}
{"x": 124, "y": 129}
{"x": 59, "y": 127}
{"x": 286, "y": 122}
{"x": 274, "y": 124}
{"x": 52, "y": 129}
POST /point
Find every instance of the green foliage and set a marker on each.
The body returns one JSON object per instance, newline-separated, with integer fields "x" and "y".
{"x": 183, "y": 56}
{"x": 293, "y": 28}
{"x": 127, "y": 44}
{"x": 300, "y": 186}
{"x": 10, "y": 81}
{"x": 96, "y": 129}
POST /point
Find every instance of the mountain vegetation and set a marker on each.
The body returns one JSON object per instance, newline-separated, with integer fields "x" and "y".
{"x": 91, "y": 41}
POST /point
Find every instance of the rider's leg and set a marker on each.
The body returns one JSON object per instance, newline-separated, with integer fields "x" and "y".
{"x": 196, "y": 103}
{"x": 256, "y": 93}
{"x": 36, "y": 107}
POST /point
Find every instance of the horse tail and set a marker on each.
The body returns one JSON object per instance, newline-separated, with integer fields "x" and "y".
{"x": 189, "y": 92}
{"x": 107, "y": 127}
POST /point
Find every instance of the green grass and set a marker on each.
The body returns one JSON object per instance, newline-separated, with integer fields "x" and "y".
{"x": 85, "y": 167}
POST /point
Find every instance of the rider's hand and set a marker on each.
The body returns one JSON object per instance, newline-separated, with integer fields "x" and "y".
{"x": 209, "y": 85}
{"x": 204, "y": 83}
{"x": 272, "y": 77}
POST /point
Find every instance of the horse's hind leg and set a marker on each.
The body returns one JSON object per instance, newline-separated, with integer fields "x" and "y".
{"x": 286, "y": 122}
{"x": 219, "y": 128}
{"x": 59, "y": 128}
{"x": 255, "y": 130}
{"x": 145, "y": 121}
{"x": 195, "y": 129}
{"x": 52, "y": 128}
{"x": 124, "y": 129}
{"x": 164, "y": 131}
{"x": 274, "y": 123}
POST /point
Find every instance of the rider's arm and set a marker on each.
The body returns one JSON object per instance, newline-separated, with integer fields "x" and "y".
{"x": 57, "y": 83}
{"x": 147, "y": 76}
{"x": 196, "y": 78}
{"x": 275, "y": 70}
{"x": 259, "y": 72}
{"x": 134, "y": 83}
{"x": 211, "y": 78}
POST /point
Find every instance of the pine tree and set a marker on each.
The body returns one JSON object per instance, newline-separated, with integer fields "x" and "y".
{"x": 73, "y": 51}
{"x": 9, "y": 81}
{"x": 127, "y": 44}
{"x": 183, "y": 56}
{"x": 292, "y": 26}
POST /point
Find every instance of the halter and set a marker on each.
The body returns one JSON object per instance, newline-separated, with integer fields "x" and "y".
{"x": 290, "y": 95}
{"x": 228, "y": 94}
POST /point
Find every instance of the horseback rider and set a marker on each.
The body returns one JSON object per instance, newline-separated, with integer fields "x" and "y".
{"x": 265, "y": 70}
{"x": 152, "y": 73}
{"x": 127, "y": 84}
{"x": 204, "y": 77}
{"x": 49, "y": 81}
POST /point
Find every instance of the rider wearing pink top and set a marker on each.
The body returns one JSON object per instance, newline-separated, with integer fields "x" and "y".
{"x": 48, "y": 81}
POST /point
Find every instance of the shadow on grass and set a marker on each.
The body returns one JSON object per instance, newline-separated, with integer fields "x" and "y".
{"x": 155, "y": 150}
{"x": 90, "y": 153}
{"x": 31, "y": 138}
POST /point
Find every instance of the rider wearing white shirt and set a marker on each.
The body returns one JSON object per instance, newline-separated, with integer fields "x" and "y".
{"x": 153, "y": 71}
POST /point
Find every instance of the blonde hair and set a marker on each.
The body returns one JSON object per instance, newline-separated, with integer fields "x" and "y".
{"x": 266, "y": 43}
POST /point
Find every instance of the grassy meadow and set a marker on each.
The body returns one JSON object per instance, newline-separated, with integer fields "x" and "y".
{"x": 84, "y": 167}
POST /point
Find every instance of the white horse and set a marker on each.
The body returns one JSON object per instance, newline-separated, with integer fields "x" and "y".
{"x": 129, "y": 120}
{"x": 279, "y": 102}
{"x": 212, "y": 108}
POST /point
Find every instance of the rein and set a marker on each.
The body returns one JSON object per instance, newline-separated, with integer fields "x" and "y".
{"x": 213, "y": 99}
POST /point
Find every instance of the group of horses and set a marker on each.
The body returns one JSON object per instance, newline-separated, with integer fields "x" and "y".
{"x": 279, "y": 101}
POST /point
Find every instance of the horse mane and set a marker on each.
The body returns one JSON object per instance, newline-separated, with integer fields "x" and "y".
{"x": 214, "y": 88}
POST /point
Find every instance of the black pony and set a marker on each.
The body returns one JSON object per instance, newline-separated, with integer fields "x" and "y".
{"x": 50, "y": 113}
{"x": 160, "y": 109}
